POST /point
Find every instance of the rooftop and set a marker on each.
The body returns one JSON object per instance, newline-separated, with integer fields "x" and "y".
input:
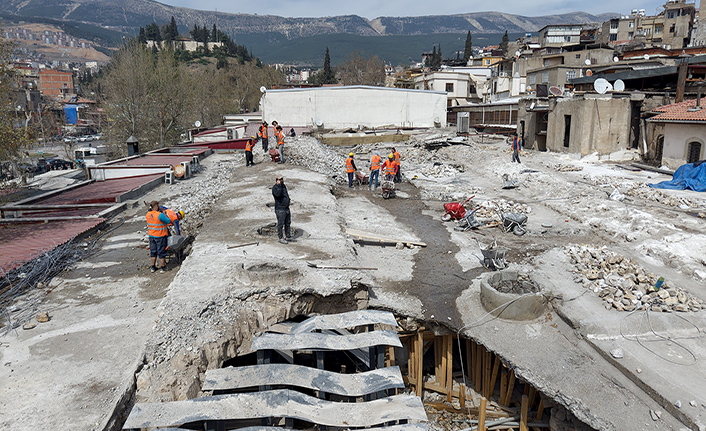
{"x": 681, "y": 112}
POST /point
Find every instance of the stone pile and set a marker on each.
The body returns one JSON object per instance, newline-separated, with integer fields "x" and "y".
{"x": 309, "y": 152}
{"x": 492, "y": 209}
{"x": 643, "y": 192}
{"x": 624, "y": 285}
{"x": 563, "y": 167}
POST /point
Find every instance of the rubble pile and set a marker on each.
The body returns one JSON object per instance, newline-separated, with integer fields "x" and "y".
{"x": 642, "y": 191}
{"x": 198, "y": 194}
{"x": 311, "y": 153}
{"x": 563, "y": 167}
{"x": 492, "y": 209}
{"x": 624, "y": 285}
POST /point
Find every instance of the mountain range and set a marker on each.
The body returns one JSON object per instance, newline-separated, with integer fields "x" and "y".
{"x": 128, "y": 15}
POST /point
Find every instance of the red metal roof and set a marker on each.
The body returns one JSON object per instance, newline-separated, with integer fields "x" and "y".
{"x": 171, "y": 159}
{"x": 681, "y": 112}
{"x": 20, "y": 243}
{"x": 99, "y": 191}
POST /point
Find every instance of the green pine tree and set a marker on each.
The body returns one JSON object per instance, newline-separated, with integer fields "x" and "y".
{"x": 328, "y": 76}
{"x": 504, "y": 43}
{"x": 468, "y": 52}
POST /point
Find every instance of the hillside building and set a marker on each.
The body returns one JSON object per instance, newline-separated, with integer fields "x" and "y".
{"x": 53, "y": 83}
{"x": 677, "y": 134}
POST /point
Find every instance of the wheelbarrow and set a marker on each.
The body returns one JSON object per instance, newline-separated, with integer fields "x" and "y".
{"x": 176, "y": 245}
{"x": 275, "y": 155}
{"x": 493, "y": 257}
{"x": 455, "y": 210}
{"x": 361, "y": 179}
{"x": 388, "y": 187}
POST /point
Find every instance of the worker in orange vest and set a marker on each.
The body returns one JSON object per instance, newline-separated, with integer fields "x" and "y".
{"x": 157, "y": 223}
{"x": 248, "y": 151}
{"x": 174, "y": 217}
{"x": 350, "y": 169}
{"x": 374, "y": 170}
{"x": 398, "y": 176}
{"x": 262, "y": 133}
{"x": 389, "y": 168}
{"x": 280, "y": 142}
{"x": 516, "y": 147}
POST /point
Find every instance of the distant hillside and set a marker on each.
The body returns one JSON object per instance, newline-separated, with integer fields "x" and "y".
{"x": 129, "y": 15}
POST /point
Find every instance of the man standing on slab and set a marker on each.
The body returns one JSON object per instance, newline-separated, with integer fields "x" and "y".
{"x": 284, "y": 217}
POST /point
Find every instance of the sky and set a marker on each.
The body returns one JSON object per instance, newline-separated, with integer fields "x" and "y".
{"x": 376, "y": 8}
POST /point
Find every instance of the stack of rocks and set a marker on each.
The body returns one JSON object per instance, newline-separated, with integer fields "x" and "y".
{"x": 624, "y": 285}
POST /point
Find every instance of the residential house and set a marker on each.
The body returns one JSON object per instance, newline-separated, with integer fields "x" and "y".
{"x": 462, "y": 85}
{"x": 677, "y": 134}
{"x": 561, "y": 35}
{"x": 54, "y": 83}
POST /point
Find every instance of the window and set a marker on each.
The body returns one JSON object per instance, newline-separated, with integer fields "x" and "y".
{"x": 487, "y": 61}
{"x": 694, "y": 152}
{"x": 613, "y": 37}
{"x": 658, "y": 29}
{"x": 671, "y": 14}
{"x": 647, "y": 31}
{"x": 630, "y": 35}
{"x": 671, "y": 28}
{"x": 567, "y": 130}
{"x": 570, "y": 74}
{"x": 546, "y": 62}
{"x": 631, "y": 24}
{"x": 567, "y": 38}
{"x": 614, "y": 25}
{"x": 533, "y": 79}
{"x": 545, "y": 76}
{"x": 578, "y": 56}
{"x": 449, "y": 87}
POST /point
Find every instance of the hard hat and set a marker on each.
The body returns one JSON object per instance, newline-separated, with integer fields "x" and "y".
{"x": 391, "y": 156}
{"x": 350, "y": 154}
{"x": 253, "y": 137}
{"x": 181, "y": 213}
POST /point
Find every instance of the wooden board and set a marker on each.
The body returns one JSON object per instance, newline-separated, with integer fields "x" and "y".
{"x": 367, "y": 236}
{"x": 317, "y": 341}
{"x": 351, "y": 319}
{"x": 304, "y": 377}
{"x": 281, "y": 403}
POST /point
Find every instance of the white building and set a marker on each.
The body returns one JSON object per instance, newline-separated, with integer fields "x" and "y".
{"x": 462, "y": 85}
{"x": 353, "y": 106}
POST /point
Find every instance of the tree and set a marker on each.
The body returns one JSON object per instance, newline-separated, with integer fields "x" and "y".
{"x": 142, "y": 38}
{"x": 170, "y": 32}
{"x": 15, "y": 135}
{"x": 214, "y": 34}
{"x": 152, "y": 32}
{"x": 436, "y": 59}
{"x": 327, "y": 74}
{"x": 358, "y": 70}
{"x": 468, "y": 50}
{"x": 504, "y": 43}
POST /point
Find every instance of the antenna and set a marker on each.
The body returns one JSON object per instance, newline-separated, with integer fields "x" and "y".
{"x": 616, "y": 59}
{"x": 587, "y": 62}
{"x": 601, "y": 86}
{"x": 646, "y": 56}
{"x": 556, "y": 91}
{"x": 589, "y": 72}
{"x": 619, "y": 85}
{"x": 197, "y": 123}
{"x": 263, "y": 89}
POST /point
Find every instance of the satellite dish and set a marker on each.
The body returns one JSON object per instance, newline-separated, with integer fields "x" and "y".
{"x": 262, "y": 89}
{"x": 589, "y": 72}
{"x": 197, "y": 123}
{"x": 246, "y": 120}
{"x": 619, "y": 85}
{"x": 555, "y": 91}
{"x": 517, "y": 54}
{"x": 601, "y": 86}
{"x": 646, "y": 56}
{"x": 616, "y": 59}
{"x": 319, "y": 122}
{"x": 587, "y": 62}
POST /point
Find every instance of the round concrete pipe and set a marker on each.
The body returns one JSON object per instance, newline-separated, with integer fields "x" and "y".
{"x": 511, "y": 305}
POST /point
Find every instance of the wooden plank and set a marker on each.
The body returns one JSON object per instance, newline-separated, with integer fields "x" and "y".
{"x": 462, "y": 395}
{"x": 420, "y": 364}
{"x": 481, "y": 415}
{"x": 449, "y": 366}
{"x": 510, "y": 388}
{"x": 437, "y": 362}
{"x": 480, "y": 353}
{"x": 298, "y": 375}
{"x": 503, "y": 385}
{"x": 469, "y": 361}
{"x": 350, "y": 319}
{"x": 532, "y": 395}
{"x": 317, "y": 341}
{"x": 281, "y": 403}
{"x": 487, "y": 371}
{"x": 540, "y": 409}
{"x": 523, "y": 413}
{"x": 368, "y": 236}
{"x": 494, "y": 375}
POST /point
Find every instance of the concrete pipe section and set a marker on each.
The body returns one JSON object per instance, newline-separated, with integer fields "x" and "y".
{"x": 512, "y": 296}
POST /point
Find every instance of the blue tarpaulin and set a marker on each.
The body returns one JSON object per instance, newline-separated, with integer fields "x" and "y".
{"x": 71, "y": 113}
{"x": 691, "y": 176}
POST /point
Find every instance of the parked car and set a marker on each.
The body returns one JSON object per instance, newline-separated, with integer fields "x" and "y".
{"x": 56, "y": 164}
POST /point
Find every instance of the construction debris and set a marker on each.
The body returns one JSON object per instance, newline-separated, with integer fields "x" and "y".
{"x": 567, "y": 168}
{"x": 624, "y": 285}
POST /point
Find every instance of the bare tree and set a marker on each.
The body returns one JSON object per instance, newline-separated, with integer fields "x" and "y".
{"x": 358, "y": 70}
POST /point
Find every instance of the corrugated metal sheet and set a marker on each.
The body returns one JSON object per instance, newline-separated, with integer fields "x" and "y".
{"x": 99, "y": 191}
{"x": 20, "y": 243}
{"x": 174, "y": 159}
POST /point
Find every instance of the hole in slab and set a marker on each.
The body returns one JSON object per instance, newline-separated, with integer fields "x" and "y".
{"x": 512, "y": 295}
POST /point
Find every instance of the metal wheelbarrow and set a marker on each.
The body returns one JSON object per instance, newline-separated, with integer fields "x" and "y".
{"x": 176, "y": 245}
{"x": 493, "y": 257}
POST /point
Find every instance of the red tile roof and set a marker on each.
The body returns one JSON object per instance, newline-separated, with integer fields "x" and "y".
{"x": 22, "y": 242}
{"x": 681, "y": 112}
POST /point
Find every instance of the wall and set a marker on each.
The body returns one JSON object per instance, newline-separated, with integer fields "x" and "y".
{"x": 344, "y": 107}
{"x": 676, "y": 140}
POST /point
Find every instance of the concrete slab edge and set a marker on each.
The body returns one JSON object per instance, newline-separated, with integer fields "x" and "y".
{"x": 139, "y": 191}
{"x": 52, "y": 193}
{"x": 124, "y": 403}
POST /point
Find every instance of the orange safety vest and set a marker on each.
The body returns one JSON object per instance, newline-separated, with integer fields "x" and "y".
{"x": 397, "y": 157}
{"x": 262, "y": 132}
{"x": 155, "y": 226}
{"x": 249, "y": 146}
{"x": 516, "y": 144}
{"x": 172, "y": 216}
{"x": 375, "y": 163}
{"x": 280, "y": 138}
{"x": 390, "y": 167}
{"x": 349, "y": 165}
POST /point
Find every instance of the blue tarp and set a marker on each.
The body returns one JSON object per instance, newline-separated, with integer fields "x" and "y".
{"x": 691, "y": 176}
{"x": 71, "y": 113}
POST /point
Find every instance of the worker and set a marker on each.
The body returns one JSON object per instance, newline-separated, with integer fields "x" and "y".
{"x": 157, "y": 223}
{"x": 389, "y": 168}
{"x": 284, "y": 217}
{"x": 248, "y": 151}
{"x": 398, "y": 176}
{"x": 174, "y": 217}
{"x": 262, "y": 133}
{"x": 374, "y": 170}
{"x": 516, "y": 147}
{"x": 280, "y": 142}
{"x": 350, "y": 169}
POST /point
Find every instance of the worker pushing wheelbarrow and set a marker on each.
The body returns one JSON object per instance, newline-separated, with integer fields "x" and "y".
{"x": 389, "y": 170}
